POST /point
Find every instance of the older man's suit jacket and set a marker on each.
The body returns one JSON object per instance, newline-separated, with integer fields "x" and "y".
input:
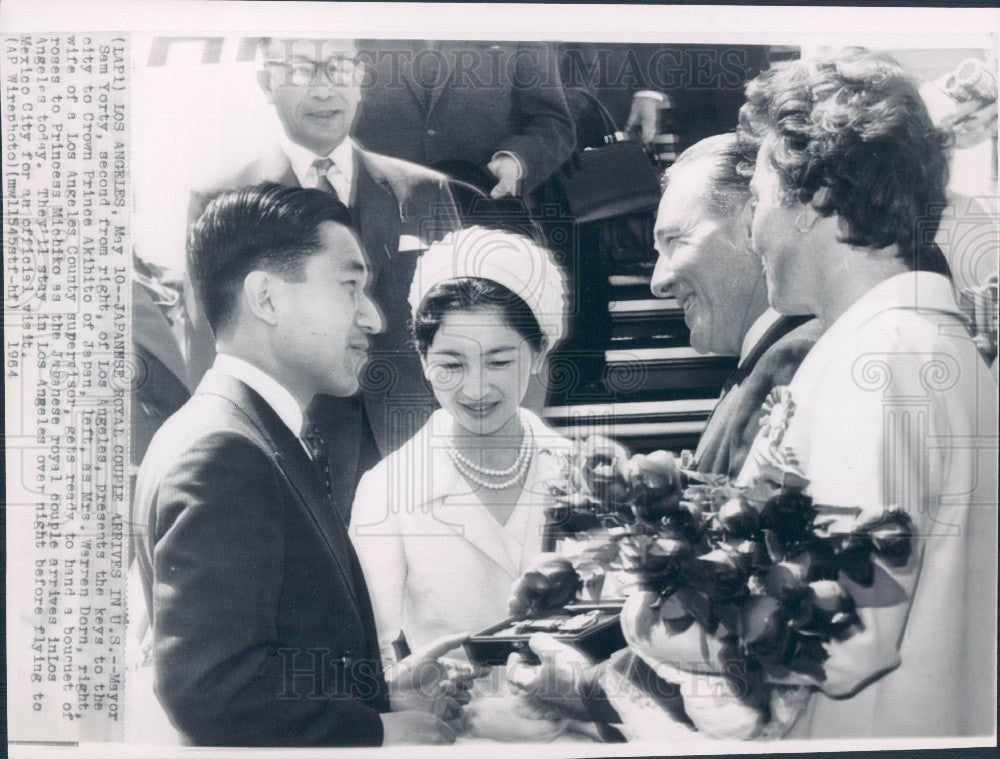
{"x": 487, "y": 97}
{"x": 395, "y": 205}
{"x": 734, "y": 422}
{"x": 262, "y": 627}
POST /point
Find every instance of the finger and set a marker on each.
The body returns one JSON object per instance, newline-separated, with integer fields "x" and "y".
{"x": 983, "y": 117}
{"x": 463, "y": 670}
{"x": 961, "y": 111}
{"x": 521, "y": 676}
{"x": 545, "y": 645}
{"x": 976, "y": 118}
{"x": 441, "y": 646}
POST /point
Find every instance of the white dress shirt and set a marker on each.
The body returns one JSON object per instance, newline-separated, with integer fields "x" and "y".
{"x": 275, "y": 394}
{"x": 757, "y": 330}
{"x": 341, "y": 173}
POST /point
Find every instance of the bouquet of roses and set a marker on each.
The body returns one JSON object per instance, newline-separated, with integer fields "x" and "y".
{"x": 601, "y": 487}
{"x": 742, "y": 585}
{"x": 604, "y": 495}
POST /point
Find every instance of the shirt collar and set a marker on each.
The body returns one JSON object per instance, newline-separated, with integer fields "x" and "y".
{"x": 757, "y": 331}
{"x": 281, "y": 401}
{"x": 915, "y": 290}
{"x": 302, "y": 158}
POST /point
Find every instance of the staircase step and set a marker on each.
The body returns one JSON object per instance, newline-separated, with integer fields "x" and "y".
{"x": 629, "y": 286}
{"x": 645, "y": 369}
{"x": 640, "y": 426}
{"x": 647, "y": 324}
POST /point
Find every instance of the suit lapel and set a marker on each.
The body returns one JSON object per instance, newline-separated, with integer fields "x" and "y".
{"x": 454, "y": 506}
{"x": 442, "y": 82}
{"x": 296, "y": 467}
{"x": 466, "y": 516}
{"x": 416, "y": 90}
{"x": 302, "y": 476}
{"x": 713, "y": 445}
{"x": 376, "y": 213}
{"x": 778, "y": 330}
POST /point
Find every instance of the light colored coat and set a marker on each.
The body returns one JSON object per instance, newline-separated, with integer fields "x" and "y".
{"x": 894, "y": 405}
{"x": 435, "y": 559}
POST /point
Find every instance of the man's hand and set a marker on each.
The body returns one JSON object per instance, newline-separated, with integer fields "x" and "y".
{"x": 971, "y": 122}
{"x": 644, "y": 117}
{"x": 508, "y": 171}
{"x": 972, "y": 88}
{"x": 557, "y": 683}
{"x": 426, "y": 682}
{"x": 407, "y": 727}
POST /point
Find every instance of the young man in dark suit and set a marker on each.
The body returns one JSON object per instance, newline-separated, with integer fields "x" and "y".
{"x": 261, "y": 626}
{"x": 397, "y": 209}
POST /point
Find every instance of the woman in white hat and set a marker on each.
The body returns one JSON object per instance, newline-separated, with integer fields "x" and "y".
{"x": 446, "y": 524}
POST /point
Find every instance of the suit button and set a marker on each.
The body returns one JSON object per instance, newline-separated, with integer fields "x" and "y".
{"x": 431, "y": 133}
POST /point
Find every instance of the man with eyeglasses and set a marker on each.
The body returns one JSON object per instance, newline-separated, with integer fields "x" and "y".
{"x": 398, "y": 208}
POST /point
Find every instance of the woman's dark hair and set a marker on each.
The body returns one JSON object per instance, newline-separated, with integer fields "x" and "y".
{"x": 469, "y": 294}
{"x": 266, "y": 226}
{"x": 855, "y": 127}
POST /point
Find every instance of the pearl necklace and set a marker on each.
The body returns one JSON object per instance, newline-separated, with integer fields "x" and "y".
{"x": 526, "y": 441}
{"x": 519, "y": 468}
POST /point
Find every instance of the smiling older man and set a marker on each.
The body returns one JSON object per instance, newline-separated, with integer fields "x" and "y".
{"x": 707, "y": 264}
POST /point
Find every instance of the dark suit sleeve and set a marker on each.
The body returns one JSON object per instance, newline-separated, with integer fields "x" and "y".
{"x": 544, "y": 135}
{"x": 218, "y": 568}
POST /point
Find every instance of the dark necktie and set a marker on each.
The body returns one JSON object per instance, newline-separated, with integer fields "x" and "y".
{"x": 322, "y": 166}
{"x": 318, "y": 453}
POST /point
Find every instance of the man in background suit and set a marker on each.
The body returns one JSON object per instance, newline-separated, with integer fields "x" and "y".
{"x": 396, "y": 207}
{"x": 702, "y": 83}
{"x": 495, "y": 106}
{"x": 261, "y": 626}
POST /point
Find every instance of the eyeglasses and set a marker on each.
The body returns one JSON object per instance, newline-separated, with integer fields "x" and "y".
{"x": 339, "y": 71}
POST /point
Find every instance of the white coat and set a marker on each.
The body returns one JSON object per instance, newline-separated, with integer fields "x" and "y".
{"x": 435, "y": 560}
{"x": 894, "y": 405}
